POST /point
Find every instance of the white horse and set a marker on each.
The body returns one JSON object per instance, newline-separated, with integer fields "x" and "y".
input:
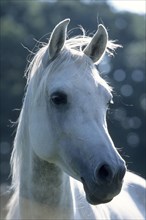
{"x": 64, "y": 163}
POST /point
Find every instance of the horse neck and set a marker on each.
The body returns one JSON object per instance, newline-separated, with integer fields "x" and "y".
{"x": 42, "y": 185}
{"x": 47, "y": 188}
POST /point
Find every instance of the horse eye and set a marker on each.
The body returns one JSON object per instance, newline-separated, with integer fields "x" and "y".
{"x": 59, "y": 98}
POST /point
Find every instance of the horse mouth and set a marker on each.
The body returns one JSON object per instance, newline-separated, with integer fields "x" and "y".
{"x": 91, "y": 198}
{"x": 95, "y": 201}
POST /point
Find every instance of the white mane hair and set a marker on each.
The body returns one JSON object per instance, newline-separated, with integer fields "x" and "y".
{"x": 36, "y": 74}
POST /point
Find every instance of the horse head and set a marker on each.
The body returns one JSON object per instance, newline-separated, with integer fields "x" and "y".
{"x": 67, "y": 120}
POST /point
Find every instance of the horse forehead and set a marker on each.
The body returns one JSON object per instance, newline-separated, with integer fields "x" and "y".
{"x": 74, "y": 75}
{"x": 78, "y": 75}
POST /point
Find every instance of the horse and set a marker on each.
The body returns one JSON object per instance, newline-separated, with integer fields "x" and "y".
{"x": 64, "y": 162}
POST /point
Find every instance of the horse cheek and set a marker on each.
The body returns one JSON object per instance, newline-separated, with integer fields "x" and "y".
{"x": 41, "y": 138}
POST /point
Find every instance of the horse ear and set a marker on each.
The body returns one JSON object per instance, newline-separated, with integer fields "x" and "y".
{"x": 96, "y": 48}
{"x": 57, "y": 38}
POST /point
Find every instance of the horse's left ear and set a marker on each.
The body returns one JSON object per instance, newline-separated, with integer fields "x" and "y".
{"x": 57, "y": 40}
{"x": 96, "y": 48}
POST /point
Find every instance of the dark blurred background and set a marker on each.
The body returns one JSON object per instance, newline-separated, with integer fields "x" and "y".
{"x": 25, "y": 22}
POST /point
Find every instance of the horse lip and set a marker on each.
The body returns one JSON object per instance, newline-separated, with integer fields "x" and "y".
{"x": 94, "y": 201}
{"x": 90, "y": 197}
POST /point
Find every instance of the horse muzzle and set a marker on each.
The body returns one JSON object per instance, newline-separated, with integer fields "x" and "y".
{"x": 104, "y": 186}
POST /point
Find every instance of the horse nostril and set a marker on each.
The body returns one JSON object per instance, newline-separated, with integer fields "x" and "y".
{"x": 104, "y": 174}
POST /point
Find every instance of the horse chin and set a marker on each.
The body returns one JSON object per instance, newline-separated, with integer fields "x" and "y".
{"x": 93, "y": 199}
{"x": 96, "y": 201}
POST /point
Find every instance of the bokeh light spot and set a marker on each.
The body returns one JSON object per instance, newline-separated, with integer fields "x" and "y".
{"x": 134, "y": 122}
{"x": 143, "y": 101}
{"x": 119, "y": 75}
{"x": 137, "y": 76}
{"x": 4, "y": 148}
{"x": 126, "y": 90}
{"x": 133, "y": 139}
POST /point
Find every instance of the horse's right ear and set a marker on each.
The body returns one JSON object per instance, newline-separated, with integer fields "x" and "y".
{"x": 57, "y": 40}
